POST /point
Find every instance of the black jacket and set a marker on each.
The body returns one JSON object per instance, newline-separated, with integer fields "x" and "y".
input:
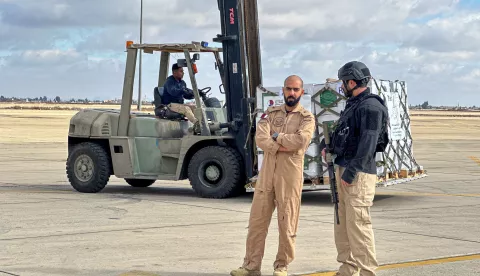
{"x": 175, "y": 91}
{"x": 357, "y": 134}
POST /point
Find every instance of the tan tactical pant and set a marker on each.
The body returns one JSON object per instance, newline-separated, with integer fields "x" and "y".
{"x": 184, "y": 109}
{"x": 286, "y": 198}
{"x": 354, "y": 236}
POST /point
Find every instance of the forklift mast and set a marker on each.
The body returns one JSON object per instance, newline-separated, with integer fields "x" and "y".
{"x": 239, "y": 104}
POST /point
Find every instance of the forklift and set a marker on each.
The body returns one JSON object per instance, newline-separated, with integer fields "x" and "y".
{"x": 142, "y": 148}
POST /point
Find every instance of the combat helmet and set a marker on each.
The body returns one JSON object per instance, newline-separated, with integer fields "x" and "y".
{"x": 355, "y": 70}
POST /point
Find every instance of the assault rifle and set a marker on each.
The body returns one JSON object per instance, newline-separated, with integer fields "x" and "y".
{"x": 331, "y": 169}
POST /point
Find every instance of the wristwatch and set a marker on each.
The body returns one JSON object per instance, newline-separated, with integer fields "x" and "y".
{"x": 274, "y": 136}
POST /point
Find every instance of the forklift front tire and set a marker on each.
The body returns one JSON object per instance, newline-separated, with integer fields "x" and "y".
{"x": 88, "y": 167}
{"x": 216, "y": 172}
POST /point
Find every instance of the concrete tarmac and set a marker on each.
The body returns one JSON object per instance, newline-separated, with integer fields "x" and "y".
{"x": 426, "y": 227}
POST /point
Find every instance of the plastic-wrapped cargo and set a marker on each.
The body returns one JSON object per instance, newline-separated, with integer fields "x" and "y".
{"x": 326, "y": 101}
{"x": 397, "y": 164}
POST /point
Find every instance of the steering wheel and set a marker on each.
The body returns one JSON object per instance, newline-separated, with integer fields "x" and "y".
{"x": 205, "y": 92}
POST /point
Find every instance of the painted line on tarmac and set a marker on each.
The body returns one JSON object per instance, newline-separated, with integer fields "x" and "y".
{"x": 410, "y": 264}
{"x": 475, "y": 159}
{"x": 424, "y": 194}
{"x": 138, "y": 273}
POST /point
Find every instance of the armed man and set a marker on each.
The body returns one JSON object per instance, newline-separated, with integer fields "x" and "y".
{"x": 284, "y": 134}
{"x": 360, "y": 132}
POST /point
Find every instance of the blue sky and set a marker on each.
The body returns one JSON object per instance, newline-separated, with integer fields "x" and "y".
{"x": 76, "y": 48}
{"x": 469, "y": 4}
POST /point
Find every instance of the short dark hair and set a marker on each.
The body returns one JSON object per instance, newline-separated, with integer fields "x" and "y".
{"x": 175, "y": 67}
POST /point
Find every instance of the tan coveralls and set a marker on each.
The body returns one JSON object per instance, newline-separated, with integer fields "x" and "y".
{"x": 279, "y": 184}
{"x": 354, "y": 237}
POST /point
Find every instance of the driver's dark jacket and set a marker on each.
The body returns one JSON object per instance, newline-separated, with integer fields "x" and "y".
{"x": 174, "y": 91}
{"x": 365, "y": 124}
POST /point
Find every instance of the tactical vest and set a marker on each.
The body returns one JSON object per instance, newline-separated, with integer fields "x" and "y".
{"x": 346, "y": 137}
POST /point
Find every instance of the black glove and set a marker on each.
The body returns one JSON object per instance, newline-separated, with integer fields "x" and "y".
{"x": 188, "y": 94}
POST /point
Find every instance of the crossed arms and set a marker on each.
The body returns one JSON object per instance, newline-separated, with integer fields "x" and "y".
{"x": 284, "y": 142}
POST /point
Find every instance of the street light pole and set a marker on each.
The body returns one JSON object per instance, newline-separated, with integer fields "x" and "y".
{"x": 139, "y": 104}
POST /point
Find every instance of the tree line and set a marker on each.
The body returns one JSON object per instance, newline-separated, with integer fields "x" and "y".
{"x": 44, "y": 99}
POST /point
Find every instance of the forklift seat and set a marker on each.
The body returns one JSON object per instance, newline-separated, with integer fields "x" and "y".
{"x": 157, "y": 96}
{"x": 161, "y": 110}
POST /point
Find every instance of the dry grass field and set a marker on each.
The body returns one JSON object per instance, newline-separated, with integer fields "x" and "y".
{"x": 37, "y": 122}
{"x": 34, "y": 122}
{"x": 65, "y": 106}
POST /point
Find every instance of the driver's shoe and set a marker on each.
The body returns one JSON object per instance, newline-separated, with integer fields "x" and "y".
{"x": 280, "y": 272}
{"x": 245, "y": 272}
{"x": 195, "y": 128}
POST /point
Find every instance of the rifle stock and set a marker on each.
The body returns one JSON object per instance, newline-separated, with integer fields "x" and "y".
{"x": 331, "y": 169}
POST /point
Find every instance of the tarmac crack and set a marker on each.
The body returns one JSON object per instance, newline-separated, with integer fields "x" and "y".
{"x": 415, "y": 192}
{"x": 34, "y": 202}
{"x": 185, "y": 204}
{"x": 465, "y": 181}
{"x": 1, "y": 271}
{"x": 425, "y": 208}
{"x": 430, "y": 236}
{"x": 459, "y": 174}
{"x": 435, "y": 188}
{"x": 409, "y": 233}
{"x": 121, "y": 230}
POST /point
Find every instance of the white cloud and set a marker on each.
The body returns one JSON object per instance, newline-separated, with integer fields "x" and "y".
{"x": 471, "y": 77}
{"x": 76, "y": 48}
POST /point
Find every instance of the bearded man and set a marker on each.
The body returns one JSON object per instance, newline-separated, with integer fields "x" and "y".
{"x": 284, "y": 134}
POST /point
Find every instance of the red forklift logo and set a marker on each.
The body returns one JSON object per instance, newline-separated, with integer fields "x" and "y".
{"x": 232, "y": 16}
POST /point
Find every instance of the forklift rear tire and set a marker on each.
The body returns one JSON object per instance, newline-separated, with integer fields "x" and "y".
{"x": 216, "y": 172}
{"x": 88, "y": 167}
{"x": 139, "y": 183}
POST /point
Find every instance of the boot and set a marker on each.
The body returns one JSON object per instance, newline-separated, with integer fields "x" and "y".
{"x": 195, "y": 129}
{"x": 280, "y": 272}
{"x": 245, "y": 272}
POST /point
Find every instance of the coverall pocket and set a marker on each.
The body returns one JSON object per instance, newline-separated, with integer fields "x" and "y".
{"x": 296, "y": 159}
{"x": 295, "y": 165}
{"x": 290, "y": 215}
{"x": 262, "y": 205}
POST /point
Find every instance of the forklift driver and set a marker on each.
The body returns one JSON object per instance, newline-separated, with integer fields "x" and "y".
{"x": 174, "y": 93}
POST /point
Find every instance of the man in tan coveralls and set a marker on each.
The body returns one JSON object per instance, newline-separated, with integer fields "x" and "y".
{"x": 284, "y": 133}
